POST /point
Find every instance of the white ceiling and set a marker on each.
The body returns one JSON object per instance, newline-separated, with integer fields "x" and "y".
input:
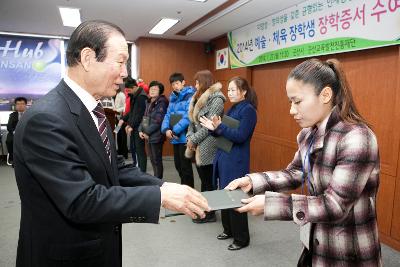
{"x": 135, "y": 17}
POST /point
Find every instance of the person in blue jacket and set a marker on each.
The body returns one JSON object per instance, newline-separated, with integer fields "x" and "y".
{"x": 236, "y": 163}
{"x": 176, "y": 132}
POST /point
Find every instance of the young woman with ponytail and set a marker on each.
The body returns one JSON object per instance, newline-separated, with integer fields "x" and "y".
{"x": 337, "y": 163}
{"x": 235, "y": 163}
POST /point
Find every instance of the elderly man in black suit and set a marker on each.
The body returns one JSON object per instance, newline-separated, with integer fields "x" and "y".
{"x": 74, "y": 191}
{"x": 20, "y": 107}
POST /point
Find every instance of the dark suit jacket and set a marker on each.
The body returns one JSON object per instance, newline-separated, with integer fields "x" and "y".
{"x": 11, "y": 125}
{"x": 73, "y": 199}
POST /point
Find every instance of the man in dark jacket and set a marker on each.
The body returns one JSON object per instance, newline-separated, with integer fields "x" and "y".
{"x": 138, "y": 99}
{"x": 74, "y": 191}
{"x": 20, "y": 107}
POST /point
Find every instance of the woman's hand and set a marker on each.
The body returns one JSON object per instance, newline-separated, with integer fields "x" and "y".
{"x": 243, "y": 183}
{"x": 254, "y": 205}
{"x": 210, "y": 124}
{"x": 143, "y": 135}
{"x": 207, "y": 123}
{"x": 190, "y": 145}
{"x": 216, "y": 121}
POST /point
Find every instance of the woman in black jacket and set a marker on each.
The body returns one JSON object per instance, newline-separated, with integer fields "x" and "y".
{"x": 150, "y": 127}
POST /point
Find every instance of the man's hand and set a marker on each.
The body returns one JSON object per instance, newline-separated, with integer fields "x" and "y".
{"x": 244, "y": 183}
{"x": 255, "y": 205}
{"x": 169, "y": 134}
{"x": 184, "y": 199}
{"x": 128, "y": 130}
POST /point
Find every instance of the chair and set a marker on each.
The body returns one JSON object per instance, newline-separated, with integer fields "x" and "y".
{"x": 2, "y": 150}
{"x": 1, "y": 142}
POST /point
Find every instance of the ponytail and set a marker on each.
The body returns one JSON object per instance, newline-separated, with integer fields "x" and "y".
{"x": 329, "y": 73}
{"x": 344, "y": 98}
{"x": 244, "y": 86}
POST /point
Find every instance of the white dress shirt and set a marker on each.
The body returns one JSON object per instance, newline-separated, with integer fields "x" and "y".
{"x": 120, "y": 104}
{"x": 87, "y": 99}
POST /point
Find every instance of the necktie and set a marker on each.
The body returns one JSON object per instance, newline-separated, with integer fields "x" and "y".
{"x": 101, "y": 116}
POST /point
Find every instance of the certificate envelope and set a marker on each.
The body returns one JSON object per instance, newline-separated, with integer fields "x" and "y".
{"x": 217, "y": 200}
{"x": 225, "y": 199}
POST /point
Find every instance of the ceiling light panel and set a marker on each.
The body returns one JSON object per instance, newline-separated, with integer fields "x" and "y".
{"x": 71, "y": 17}
{"x": 163, "y": 25}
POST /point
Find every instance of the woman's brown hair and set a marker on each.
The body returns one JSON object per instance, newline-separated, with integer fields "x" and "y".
{"x": 205, "y": 79}
{"x": 329, "y": 73}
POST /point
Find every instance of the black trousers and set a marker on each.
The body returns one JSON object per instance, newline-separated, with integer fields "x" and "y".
{"x": 9, "y": 144}
{"x": 122, "y": 142}
{"x": 206, "y": 174}
{"x": 139, "y": 148}
{"x": 155, "y": 153}
{"x": 236, "y": 224}
{"x": 183, "y": 165}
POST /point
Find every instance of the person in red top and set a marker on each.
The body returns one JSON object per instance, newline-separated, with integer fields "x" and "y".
{"x": 127, "y": 102}
{"x": 142, "y": 84}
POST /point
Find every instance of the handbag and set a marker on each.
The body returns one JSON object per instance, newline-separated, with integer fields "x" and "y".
{"x": 145, "y": 121}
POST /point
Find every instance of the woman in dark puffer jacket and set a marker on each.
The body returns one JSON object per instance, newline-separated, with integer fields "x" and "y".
{"x": 150, "y": 128}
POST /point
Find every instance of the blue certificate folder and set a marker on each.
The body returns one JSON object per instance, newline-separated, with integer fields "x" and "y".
{"x": 219, "y": 200}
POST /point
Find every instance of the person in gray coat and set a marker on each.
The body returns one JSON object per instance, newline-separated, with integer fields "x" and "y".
{"x": 208, "y": 101}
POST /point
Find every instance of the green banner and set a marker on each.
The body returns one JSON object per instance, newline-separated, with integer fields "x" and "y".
{"x": 315, "y": 28}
